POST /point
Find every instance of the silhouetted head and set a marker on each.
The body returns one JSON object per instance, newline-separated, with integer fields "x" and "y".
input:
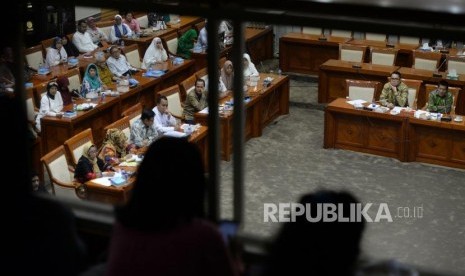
{"x": 170, "y": 187}
{"x": 318, "y": 248}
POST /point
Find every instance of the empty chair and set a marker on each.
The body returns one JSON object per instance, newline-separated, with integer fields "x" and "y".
{"x": 132, "y": 55}
{"x": 409, "y": 40}
{"x": 341, "y": 33}
{"x": 426, "y": 60}
{"x": 143, "y": 21}
{"x": 47, "y": 43}
{"x": 383, "y": 56}
{"x": 34, "y": 56}
{"x": 456, "y": 63}
{"x": 187, "y": 86}
{"x": 413, "y": 89}
{"x": 122, "y": 124}
{"x": 172, "y": 94}
{"x": 312, "y": 30}
{"x": 453, "y": 90}
{"x": 352, "y": 53}
{"x": 75, "y": 144}
{"x": 362, "y": 90}
{"x": 375, "y": 36}
{"x": 170, "y": 43}
{"x": 133, "y": 113}
{"x": 61, "y": 177}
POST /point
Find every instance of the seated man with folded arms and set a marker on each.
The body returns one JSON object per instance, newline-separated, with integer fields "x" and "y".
{"x": 118, "y": 63}
{"x": 395, "y": 92}
{"x": 440, "y": 99}
{"x": 164, "y": 120}
{"x": 143, "y": 131}
{"x": 196, "y": 100}
{"x": 82, "y": 38}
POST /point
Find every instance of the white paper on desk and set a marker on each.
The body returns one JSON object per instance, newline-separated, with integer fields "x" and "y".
{"x": 356, "y": 102}
{"x": 204, "y": 111}
{"x": 397, "y": 109}
{"x": 175, "y": 133}
{"x": 128, "y": 164}
{"x": 104, "y": 181}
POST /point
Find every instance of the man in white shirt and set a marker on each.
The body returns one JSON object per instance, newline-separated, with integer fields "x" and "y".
{"x": 164, "y": 120}
{"x": 118, "y": 64}
{"x": 120, "y": 30}
{"x": 82, "y": 39}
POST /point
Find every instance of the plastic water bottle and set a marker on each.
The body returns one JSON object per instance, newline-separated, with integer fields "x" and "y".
{"x": 279, "y": 71}
{"x": 75, "y": 107}
{"x": 103, "y": 96}
{"x": 122, "y": 43}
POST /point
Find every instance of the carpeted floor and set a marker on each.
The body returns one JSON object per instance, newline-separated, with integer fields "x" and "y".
{"x": 288, "y": 160}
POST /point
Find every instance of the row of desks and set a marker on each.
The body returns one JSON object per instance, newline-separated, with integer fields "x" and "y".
{"x": 304, "y": 53}
{"x": 56, "y": 130}
{"x": 398, "y": 136}
{"x": 333, "y": 73}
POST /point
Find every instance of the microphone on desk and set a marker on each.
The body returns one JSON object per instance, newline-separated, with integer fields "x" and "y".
{"x": 436, "y": 74}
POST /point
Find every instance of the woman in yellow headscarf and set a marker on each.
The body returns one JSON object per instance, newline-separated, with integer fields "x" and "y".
{"x": 115, "y": 146}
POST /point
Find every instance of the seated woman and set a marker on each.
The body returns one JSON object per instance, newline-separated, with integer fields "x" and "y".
{"x": 116, "y": 147}
{"x": 70, "y": 48}
{"x": 103, "y": 71}
{"x": 227, "y": 75}
{"x": 51, "y": 103}
{"x": 186, "y": 43}
{"x": 132, "y": 22}
{"x": 249, "y": 67}
{"x": 89, "y": 166}
{"x": 91, "y": 81}
{"x": 63, "y": 87}
{"x": 56, "y": 54}
{"x": 155, "y": 53}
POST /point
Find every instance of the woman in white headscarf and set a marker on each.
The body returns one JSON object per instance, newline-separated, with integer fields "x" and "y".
{"x": 249, "y": 67}
{"x": 155, "y": 53}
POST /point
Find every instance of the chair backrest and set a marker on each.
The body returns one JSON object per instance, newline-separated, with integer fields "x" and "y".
{"x": 198, "y": 26}
{"x": 143, "y": 21}
{"x": 362, "y": 90}
{"x": 74, "y": 77}
{"x": 352, "y": 53}
{"x": 34, "y": 56}
{"x": 61, "y": 177}
{"x": 413, "y": 89}
{"x": 375, "y": 36}
{"x": 341, "y": 33}
{"x": 132, "y": 55}
{"x": 105, "y": 26}
{"x": 202, "y": 72}
{"x": 75, "y": 145}
{"x": 383, "y": 56}
{"x": 426, "y": 60}
{"x": 174, "y": 99}
{"x": 30, "y": 105}
{"x": 456, "y": 63}
{"x": 133, "y": 113}
{"x": 453, "y": 90}
{"x": 312, "y": 30}
{"x": 122, "y": 124}
{"x": 409, "y": 40}
{"x": 187, "y": 86}
{"x": 222, "y": 61}
{"x": 46, "y": 43}
{"x": 170, "y": 42}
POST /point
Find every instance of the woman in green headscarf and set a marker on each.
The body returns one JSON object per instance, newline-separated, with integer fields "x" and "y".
{"x": 92, "y": 81}
{"x": 186, "y": 43}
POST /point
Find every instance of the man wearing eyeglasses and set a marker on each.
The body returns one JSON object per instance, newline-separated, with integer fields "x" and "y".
{"x": 395, "y": 92}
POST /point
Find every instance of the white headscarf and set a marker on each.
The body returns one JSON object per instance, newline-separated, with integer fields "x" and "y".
{"x": 153, "y": 54}
{"x": 249, "y": 70}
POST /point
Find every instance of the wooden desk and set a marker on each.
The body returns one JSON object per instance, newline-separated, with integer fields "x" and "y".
{"x": 365, "y": 131}
{"x": 121, "y": 194}
{"x": 304, "y": 53}
{"x": 261, "y": 110}
{"x": 258, "y": 43}
{"x": 440, "y": 143}
{"x": 399, "y": 136}
{"x": 428, "y": 78}
{"x": 404, "y": 55}
{"x": 55, "y": 131}
{"x": 333, "y": 75}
